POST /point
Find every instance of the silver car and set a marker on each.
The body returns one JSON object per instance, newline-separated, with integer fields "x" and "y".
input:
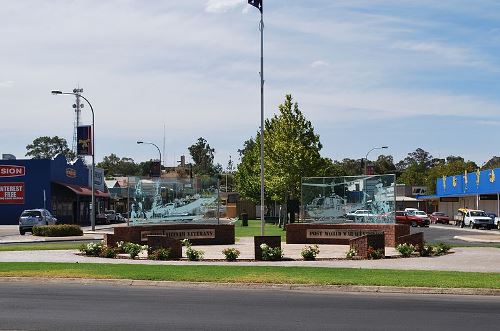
{"x": 32, "y": 217}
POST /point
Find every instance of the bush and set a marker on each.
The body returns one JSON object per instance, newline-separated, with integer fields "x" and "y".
{"x": 91, "y": 249}
{"x": 309, "y": 252}
{"x": 441, "y": 248}
{"x": 194, "y": 254}
{"x": 133, "y": 249}
{"x": 59, "y": 230}
{"x": 351, "y": 253}
{"x": 375, "y": 254}
{"x": 108, "y": 252}
{"x": 271, "y": 253}
{"x": 427, "y": 250}
{"x": 160, "y": 254}
{"x": 405, "y": 249}
{"x": 231, "y": 254}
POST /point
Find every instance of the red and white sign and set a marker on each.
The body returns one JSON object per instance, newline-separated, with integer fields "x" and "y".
{"x": 12, "y": 171}
{"x": 12, "y": 193}
{"x": 70, "y": 172}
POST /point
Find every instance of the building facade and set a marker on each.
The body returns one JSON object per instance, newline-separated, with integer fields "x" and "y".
{"x": 56, "y": 185}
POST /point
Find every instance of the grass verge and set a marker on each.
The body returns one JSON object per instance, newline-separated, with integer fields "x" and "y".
{"x": 40, "y": 246}
{"x": 254, "y": 274}
{"x": 253, "y": 229}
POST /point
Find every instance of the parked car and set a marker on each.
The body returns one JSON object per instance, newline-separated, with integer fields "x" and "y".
{"x": 439, "y": 217}
{"x": 359, "y": 214}
{"x": 112, "y": 216}
{"x": 476, "y": 219}
{"x": 31, "y": 217}
{"x": 403, "y": 217}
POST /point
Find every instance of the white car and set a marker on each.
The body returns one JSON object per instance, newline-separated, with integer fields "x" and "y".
{"x": 476, "y": 219}
{"x": 31, "y": 217}
{"x": 359, "y": 214}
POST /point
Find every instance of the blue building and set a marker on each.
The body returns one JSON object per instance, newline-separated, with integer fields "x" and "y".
{"x": 56, "y": 185}
{"x": 477, "y": 190}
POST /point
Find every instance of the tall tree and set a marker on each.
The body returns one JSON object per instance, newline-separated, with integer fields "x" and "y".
{"x": 291, "y": 152}
{"x": 48, "y": 147}
{"x": 414, "y": 167}
{"x": 116, "y": 166}
{"x": 203, "y": 158}
{"x": 385, "y": 165}
{"x": 492, "y": 163}
{"x": 452, "y": 166}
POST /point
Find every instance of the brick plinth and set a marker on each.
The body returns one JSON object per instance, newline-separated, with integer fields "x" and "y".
{"x": 198, "y": 234}
{"x": 271, "y": 241}
{"x": 361, "y": 244}
{"x": 175, "y": 245}
{"x": 297, "y": 233}
{"x": 416, "y": 239}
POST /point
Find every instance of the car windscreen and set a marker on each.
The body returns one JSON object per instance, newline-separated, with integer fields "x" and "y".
{"x": 439, "y": 214}
{"x": 419, "y": 213}
{"x": 477, "y": 213}
{"x": 32, "y": 213}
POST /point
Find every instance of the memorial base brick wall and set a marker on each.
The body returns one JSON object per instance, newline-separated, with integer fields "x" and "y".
{"x": 271, "y": 241}
{"x": 198, "y": 234}
{"x": 175, "y": 245}
{"x": 416, "y": 239}
{"x": 341, "y": 234}
{"x": 361, "y": 244}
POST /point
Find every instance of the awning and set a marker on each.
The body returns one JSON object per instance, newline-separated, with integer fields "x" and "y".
{"x": 84, "y": 190}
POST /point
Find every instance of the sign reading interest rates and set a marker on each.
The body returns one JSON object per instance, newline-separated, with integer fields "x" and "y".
{"x": 12, "y": 193}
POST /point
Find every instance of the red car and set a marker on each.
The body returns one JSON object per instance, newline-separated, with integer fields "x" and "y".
{"x": 403, "y": 217}
{"x": 439, "y": 217}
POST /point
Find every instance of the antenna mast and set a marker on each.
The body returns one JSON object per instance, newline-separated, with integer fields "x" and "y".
{"x": 78, "y": 108}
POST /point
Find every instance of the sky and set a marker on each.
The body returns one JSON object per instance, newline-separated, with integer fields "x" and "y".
{"x": 405, "y": 74}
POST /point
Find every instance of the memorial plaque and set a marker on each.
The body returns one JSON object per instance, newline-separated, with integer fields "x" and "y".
{"x": 180, "y": 234}
{"x": 338, "y": 233}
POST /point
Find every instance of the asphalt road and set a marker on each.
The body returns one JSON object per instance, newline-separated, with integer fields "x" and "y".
{"x": 27, "y": 306}
{"x": 446, "y": 233}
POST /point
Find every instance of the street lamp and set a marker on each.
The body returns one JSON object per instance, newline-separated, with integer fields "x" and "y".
{"x": 374, "y": 148}
{"x": 148, "y": 143}
{"x": 92, "y": 214}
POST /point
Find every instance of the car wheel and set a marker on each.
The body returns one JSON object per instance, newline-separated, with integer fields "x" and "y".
{"x": 22, "y": 232}
{"x": 414, "y": 224}
{"x": 471, "y": 225}
{"x": 498, "y": 225}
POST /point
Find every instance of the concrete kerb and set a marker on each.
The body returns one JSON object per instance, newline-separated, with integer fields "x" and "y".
{"x": 281, "y": 287}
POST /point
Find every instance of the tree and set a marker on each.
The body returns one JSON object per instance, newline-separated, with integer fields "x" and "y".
{"x": 116, "y": 166}
{"x": 492, "y": 163}
{"x": 291, "y": 152}
{"x": 414, "y": 167}
{"x": 203, "y": 158}
{"x": 385, "y": 165}
{"x": 452, "y": 166}
{"x": 48, "y": 147}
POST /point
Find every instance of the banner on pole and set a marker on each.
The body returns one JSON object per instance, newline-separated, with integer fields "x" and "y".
{"x": 84, "y": 140}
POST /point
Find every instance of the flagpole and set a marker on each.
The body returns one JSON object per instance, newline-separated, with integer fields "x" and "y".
{"x": 262, "y": 217}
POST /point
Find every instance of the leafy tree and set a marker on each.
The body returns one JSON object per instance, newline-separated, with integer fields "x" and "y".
{"x": 48, "y": 147}
{"x": 414, "y": 167}
{"x": 492, "y": 163}
{"x": 385, "y": 165}
{"x": 452, "y": 166}
{"x": 203, "y": 158}
{"x": 116, "y": 166}
{"x": 291, "y": 152}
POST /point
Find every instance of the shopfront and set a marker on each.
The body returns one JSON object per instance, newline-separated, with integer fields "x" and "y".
{"x": 475, "y": 190}
{"x": 56, "y": 185}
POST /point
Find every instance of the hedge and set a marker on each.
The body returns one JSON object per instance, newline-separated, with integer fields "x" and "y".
{"x": 60, "y": 230}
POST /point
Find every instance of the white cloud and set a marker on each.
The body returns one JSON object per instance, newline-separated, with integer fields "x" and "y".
{"x": 222, "y": 6}
{"x": 319, "y": 64}
{"x": 6, "y": 84}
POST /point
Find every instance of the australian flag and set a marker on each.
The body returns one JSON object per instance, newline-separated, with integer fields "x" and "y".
{"x": 256, "y": 3}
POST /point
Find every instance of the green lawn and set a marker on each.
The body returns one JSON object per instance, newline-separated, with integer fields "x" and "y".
{"x": 253, "y": 229}
{"x": 40, "y": 246}
{"x": 254, "y": 274}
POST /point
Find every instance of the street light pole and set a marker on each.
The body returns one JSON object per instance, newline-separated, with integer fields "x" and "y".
{"x": 374, "y": 148}
{"x": 158, "y": 148}
{"x": 92, "y": 215}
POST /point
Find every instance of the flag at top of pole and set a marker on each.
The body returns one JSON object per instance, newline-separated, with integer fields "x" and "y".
{"x": 256, "y": 3}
